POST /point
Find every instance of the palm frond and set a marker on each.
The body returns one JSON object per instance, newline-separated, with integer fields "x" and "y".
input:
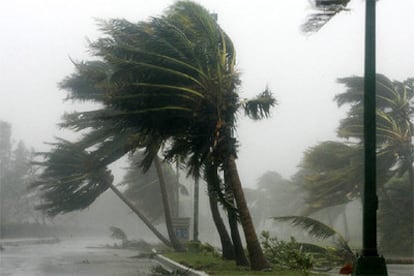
{"x": 71, "y": 180}
{"x": 325, "y": 11}
{"x": 259, "y": 107}
{"x": 312, "y": 226}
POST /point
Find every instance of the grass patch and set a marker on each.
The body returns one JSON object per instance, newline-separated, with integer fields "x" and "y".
{"x": 214, "y": 265}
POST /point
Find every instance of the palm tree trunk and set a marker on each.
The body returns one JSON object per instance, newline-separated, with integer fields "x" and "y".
{"x": 257, "y": 258}
{"x": 410, "y": 163}
{"x": 176, "y": 209}
{"x": 346, "y": 227}
{"x": 226, "y": 244}
{"x": 195, "y": 208}
{"x": 167, "y": 212}
{"x": 140, "y": 215}
{"x": 241, "y": 259}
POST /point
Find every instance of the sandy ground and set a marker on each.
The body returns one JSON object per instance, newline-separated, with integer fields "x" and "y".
{"x": 75, "y": 257}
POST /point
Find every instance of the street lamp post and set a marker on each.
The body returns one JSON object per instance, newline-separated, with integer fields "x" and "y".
{"x": 369, "y": 262}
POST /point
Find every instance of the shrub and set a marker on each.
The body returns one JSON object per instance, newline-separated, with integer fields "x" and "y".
{"x": 288, "y": 254}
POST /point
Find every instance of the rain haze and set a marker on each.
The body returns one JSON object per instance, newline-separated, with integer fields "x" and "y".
{"x": 41, "y": 39}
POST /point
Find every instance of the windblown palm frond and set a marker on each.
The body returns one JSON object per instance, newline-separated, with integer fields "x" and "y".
{"x": 332, "y": 174}
{"x": 312, "y": 226}
{"x": 325, "y": 11}
{"x": 259, "y": 107}
{"x": 168, "y": 84}
{"x": 71, "y": 179}
{"x": 318, "y": 230}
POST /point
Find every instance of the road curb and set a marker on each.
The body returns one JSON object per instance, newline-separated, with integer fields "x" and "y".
{"x": 173, "y": 266}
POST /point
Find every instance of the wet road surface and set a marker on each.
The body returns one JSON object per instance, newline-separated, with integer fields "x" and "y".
{"x": 70, "y": 257}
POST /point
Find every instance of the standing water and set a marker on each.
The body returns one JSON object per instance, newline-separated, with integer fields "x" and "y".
{"x": 72, "y": 256}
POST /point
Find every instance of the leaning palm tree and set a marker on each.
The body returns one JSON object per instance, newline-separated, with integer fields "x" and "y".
{"x": 169, "y": 85}
{"x": 393, "y": 116}
{"x": 72, "y": 179}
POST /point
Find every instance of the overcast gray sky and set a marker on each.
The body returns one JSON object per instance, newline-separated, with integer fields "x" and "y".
{"x": 39, "y": 36}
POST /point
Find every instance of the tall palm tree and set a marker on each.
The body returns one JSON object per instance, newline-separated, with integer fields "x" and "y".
{"x": 170, "y": 84}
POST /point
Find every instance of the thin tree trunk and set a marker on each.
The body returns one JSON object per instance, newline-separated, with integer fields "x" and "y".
{"x": 226, "y": 244}
{"x": 241, "y": 258}
{"x": 410, "y": 165}
{"x": 346, "y": 227}
{"x": 167, "y": 212}
{"x": 195, "y": 209}
{"x": 257, "y": 259}
{"x": 176, "y": 211}
{"x": 141, "y": 216}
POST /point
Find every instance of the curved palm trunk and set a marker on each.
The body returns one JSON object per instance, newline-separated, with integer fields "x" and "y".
{"x": 241, "y": 259}
{"x": 226, "y": 244}
{"x": 167, "y": 212}
{"x": 257, "y": 258}
{"x": 140, "y": 215}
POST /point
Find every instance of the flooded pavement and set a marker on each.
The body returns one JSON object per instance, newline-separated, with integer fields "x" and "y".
{"x": 80, "y": 257}
{"x": 75, "y": 257}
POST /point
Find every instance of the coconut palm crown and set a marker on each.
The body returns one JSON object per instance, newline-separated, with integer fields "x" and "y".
{"x": 169, "y": 83}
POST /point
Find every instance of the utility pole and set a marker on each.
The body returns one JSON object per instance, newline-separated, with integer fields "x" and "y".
{"x": 369, "y": 262}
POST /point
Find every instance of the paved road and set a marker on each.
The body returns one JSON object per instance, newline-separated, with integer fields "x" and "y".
{"x": 70, "y": 257}
{"x": 81, "y": 257}
{"x": 393, "y": 270}
{"x": 400, "y": 270}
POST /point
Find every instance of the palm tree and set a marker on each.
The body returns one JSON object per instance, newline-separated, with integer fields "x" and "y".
{"x": 72, "y": 179}
{"x": 333, "y": 171}
{"x": 332, "y": 175}
{"x": 206, "y": 101}
{"x": 393, "y": 116}
{"x": 168, "y": 84}
{"x": 394, "y": 136}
